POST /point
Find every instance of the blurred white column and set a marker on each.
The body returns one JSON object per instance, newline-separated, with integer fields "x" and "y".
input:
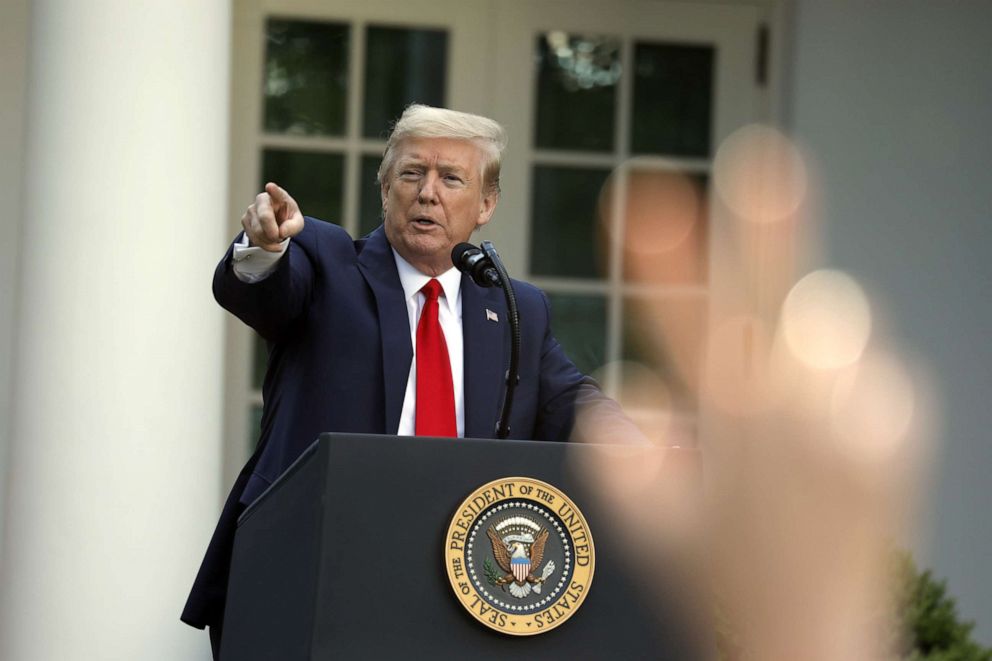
{"x": 13, "y": 73}
{"x": 115, "y": 448}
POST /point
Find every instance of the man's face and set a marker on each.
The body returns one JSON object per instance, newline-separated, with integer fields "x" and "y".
{"x": 433, "y": 199}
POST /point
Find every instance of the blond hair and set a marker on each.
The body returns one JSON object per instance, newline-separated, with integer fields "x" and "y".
{"x": 420, "y": 121}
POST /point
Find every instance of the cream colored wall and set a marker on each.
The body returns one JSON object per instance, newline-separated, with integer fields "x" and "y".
{"x": 894, "y": 100}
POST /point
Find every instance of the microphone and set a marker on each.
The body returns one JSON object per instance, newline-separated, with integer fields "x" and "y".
{"x": 486, "y": 269}
{"x": 471, "y": 260}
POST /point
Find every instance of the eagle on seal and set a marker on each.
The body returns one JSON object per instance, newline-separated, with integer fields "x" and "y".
{"x": 516, "y": 559}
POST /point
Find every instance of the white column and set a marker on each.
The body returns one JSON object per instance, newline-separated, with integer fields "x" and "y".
{"x": 115, "y": 444}
{"x": 13, "y": 73}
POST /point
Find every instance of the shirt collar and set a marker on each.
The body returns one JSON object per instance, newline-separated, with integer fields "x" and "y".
{"x": 413, "y": 281}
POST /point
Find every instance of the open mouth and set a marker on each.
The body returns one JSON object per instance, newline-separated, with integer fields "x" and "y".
{"x": 423, "y": 222}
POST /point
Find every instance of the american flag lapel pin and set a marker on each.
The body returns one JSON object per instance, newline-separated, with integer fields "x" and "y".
{"x": 492, "y": 316}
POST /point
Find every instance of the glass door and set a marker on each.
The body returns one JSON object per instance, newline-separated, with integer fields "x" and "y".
{"x": 616, "y": 110}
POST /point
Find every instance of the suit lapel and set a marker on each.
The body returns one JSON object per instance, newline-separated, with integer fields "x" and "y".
{"x": 485, "y": 357}
{"x": 378, "y": 266}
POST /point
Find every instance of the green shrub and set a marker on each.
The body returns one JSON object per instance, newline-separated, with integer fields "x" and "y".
{"x": 929, "y": 628}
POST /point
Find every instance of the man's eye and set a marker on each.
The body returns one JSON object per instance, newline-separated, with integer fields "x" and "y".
{"x": 453, "y": 178}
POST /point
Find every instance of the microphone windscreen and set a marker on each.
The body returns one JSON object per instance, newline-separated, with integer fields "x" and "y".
{"x": 458, "y": 252}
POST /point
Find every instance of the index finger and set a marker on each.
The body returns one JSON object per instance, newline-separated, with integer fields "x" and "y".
{"x": 278, "y": 193}
{"x": 266, "y": 216}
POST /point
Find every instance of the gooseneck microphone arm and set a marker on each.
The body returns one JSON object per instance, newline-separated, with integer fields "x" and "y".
{"x": 486, "y": 270}
{"x": 512, "y": 373}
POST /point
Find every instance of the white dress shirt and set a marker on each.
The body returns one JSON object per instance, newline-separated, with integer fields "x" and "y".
{"x": 253, "y": 264}
{"x": 450, "y": 316}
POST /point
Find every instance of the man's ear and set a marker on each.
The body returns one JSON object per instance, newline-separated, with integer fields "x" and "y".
{"x": 384, "y": 193}
{"x": 487, "y": 208}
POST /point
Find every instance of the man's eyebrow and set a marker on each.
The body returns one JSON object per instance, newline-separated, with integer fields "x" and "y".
{"x": 452, "y": 167}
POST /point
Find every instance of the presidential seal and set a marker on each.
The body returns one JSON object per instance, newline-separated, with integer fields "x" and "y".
{"x": 519, "y": 556}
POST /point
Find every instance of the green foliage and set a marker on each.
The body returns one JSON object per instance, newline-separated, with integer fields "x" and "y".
{"x": 929, "y": 628}
{"x": 491, "y": 574}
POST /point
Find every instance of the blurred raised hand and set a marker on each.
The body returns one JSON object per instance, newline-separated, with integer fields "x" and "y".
{"x": 810, "y": 424}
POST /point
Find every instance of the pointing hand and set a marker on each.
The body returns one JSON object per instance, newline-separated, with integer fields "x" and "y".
{"x": 273, "y": 217}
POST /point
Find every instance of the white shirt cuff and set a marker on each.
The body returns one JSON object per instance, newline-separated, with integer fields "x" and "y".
{"x": 254, "y": 264}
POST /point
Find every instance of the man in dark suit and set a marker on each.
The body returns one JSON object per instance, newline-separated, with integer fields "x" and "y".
{"x": 360, "y": 340}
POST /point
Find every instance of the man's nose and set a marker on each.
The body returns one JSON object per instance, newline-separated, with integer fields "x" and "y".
{"x": 428, "y": 188}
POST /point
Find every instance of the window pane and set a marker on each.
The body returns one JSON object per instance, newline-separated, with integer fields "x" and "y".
{"x": 579, "y": 324}
{"x": 369, "y": 199}
{"x": 667, "y": 335}
{"x": 402, "y": 66}
{"x": 666, "y": 227}
{"x": 314, "y": 179}
{"x": 306, "y": 77}
{"x": 576, "y": 91}
{"x": 564, "y": 227}
{"x": 673, "y": 100}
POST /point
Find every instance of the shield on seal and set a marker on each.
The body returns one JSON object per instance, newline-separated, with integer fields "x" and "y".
{"x": 521, "y": 567}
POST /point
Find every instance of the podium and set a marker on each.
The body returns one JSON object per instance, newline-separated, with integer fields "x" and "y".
{"x": 343, "y": 557}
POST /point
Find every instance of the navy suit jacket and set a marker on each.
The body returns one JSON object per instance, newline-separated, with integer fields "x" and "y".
{"x": 335, "y": 319}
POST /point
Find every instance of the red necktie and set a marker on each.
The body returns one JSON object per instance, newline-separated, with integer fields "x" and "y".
{"x": 435, "y": 392}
